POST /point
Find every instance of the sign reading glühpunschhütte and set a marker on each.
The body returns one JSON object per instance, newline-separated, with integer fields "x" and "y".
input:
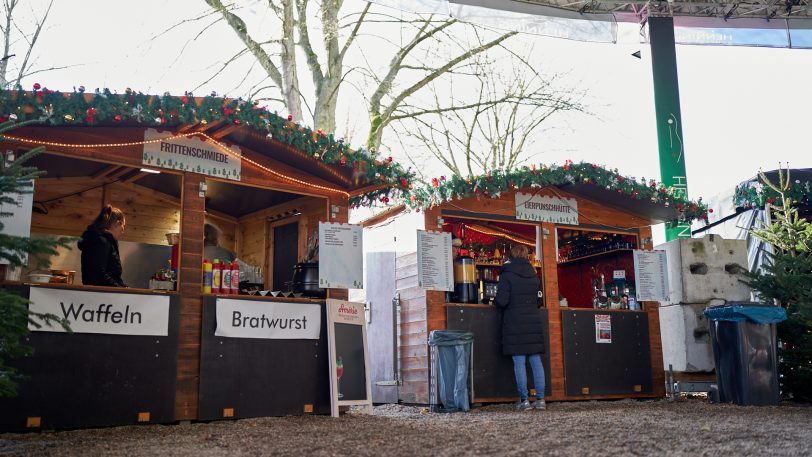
{"x": 195, "y": 154}
{"x": 539, "y": 208}
{"x": 101, "y": 312}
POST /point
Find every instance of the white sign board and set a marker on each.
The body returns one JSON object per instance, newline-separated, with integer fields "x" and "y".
{"x": 651, "y": 275}
{"x": 18, "y": 222}
{"x": 341, "y": 256}
{"x": 102, "y": 312}
{"x": 434, "y": 268}
{"x": 350, "y": 381}
{"x": 195, "y": 154}
{"x": 267, "y": 319}
{"x": 603, "y": 328}
{"x": 539, "y": 208}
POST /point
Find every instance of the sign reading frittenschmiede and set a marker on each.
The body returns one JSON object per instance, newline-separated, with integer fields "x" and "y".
{"x": 195, "y": 154}
{"x": 101, "y": 312}
{"x": 539, "y": 208}
{"x": 269, "y": 320}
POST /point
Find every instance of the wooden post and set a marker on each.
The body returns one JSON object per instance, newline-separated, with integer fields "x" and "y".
{"x": 550, "y": 271}
{"x": 191, "y": 303}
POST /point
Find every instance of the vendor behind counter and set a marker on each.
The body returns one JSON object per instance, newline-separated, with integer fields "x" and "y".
{"x": 211, "y": 245}
{"x": 101, "y": 261}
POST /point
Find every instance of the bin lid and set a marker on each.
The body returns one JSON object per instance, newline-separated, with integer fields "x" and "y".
{"x": 754, "y": 312}
{"x": 449, "y": 337}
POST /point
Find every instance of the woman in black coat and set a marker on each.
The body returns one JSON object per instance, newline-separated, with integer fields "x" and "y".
{"x": 522, "y": 337}
{"x": 101, "y": 263}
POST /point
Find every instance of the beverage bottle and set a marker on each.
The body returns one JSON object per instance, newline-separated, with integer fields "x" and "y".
{"x": 225, "y": 284}
{"x": 215, "y": 275}
{"x": 207, "y": 276}
{"x": 235, "y": 278}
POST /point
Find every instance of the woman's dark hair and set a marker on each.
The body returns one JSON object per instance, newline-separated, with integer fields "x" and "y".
{"x": 108, "y": 216}
{"x": 518, "y": 251}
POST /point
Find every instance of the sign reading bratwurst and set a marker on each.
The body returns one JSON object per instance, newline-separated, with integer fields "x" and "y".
{"x": 269, "y": 320}
{"x": 101, "y": 312}
{"x": 539, "y": 208}
{"x": 194, "y": 154}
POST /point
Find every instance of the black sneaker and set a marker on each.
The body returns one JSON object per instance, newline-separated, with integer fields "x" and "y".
{"x": 523, "y": 405}
{"x": 539, "y": 404}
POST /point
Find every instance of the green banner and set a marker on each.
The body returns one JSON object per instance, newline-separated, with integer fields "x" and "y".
{"x": 669, "y": 119}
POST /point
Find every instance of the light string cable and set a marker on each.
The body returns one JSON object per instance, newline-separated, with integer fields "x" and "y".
{"x": 220, "y": 145}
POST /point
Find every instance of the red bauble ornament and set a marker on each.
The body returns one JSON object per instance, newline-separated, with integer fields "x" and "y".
{"x": 710, "y": 210}
{"x": 770, "y": 200}
{"x": 236, "y": 121}
{"x": 290, "y": 117}
{"x": 184, "y": 99}
{"x": 117, "y": 118}
{"x": 343, "y": 162}
{"x": 37, "y": 86}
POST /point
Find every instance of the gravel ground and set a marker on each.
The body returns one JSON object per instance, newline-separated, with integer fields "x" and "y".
{"x": 684, "y": 428}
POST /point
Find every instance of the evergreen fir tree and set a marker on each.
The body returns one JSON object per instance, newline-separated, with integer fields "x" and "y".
{"x": 787, "y": 278}
{"x": 16, "y": 179}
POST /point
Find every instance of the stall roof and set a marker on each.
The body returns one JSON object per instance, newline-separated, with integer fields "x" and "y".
{"x": 648, "y": 199}
{"x": 364, "y": 176}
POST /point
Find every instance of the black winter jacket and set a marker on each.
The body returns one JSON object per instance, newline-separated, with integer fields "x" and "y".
{"x": 517, "y": 295}
{"x": 101, "y": 263}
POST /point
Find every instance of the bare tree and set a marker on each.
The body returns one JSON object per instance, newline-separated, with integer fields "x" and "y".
{"x": 494, "y": 127}
{"x": 19, "y": 41}
{"x": 420, "y": 50}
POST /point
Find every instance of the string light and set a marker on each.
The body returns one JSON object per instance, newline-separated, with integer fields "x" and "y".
{"x": 222, "y": 147}
{"x": 499, "y": 235}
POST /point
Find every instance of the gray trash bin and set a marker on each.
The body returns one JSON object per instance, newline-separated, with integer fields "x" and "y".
{"x": 743, "y": 338}
{"x": 452, "y": 370}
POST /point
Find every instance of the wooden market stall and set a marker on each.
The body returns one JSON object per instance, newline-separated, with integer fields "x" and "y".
{"x": 172, "y": 164}
{"x": 581, "y": 224}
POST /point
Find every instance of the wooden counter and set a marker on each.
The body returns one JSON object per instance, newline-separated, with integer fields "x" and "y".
{"x": 253, "y": 377}
{"x": 91, "y": 379}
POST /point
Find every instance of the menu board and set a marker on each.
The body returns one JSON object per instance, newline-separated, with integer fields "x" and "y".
{"x": 340, "y": 256}
{"x": 350, "y": 377}
{"x": 17, "y": 221}
{"x": 434, "y": 268}
{"x": 651, "y": 274}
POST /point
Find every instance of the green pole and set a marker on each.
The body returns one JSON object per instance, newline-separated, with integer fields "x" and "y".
{"x": 669, "y": 119}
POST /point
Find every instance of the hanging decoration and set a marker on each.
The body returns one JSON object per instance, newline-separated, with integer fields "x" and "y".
{"x": 498, "y": 181}
{"x": 757, "y": 195}
{"x": 385, "y": 178}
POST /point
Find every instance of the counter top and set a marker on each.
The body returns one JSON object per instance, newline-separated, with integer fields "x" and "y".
{"x": 82, "y": 287}
{"x": 268, "y": 298}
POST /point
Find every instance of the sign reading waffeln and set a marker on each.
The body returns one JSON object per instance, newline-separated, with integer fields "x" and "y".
{"x": 269, "y": 320}
{"x": 539, "y": 208}
{"x": 101, "y": 312}
{"x": 195, "y": 154}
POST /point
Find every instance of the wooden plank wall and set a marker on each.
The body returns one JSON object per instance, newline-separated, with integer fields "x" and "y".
{"x": 150, "y": 214}
{"x": 412, "y": 334}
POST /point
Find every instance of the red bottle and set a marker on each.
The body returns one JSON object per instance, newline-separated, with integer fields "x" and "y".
{"x": 235, "y": 278}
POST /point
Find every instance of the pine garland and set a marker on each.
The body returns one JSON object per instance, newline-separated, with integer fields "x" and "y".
{"x": 492, "y": 184}
{"x": 135, "y": 108}
{"x": 757, "y": 195}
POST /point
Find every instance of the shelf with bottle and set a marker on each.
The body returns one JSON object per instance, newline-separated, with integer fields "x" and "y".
{"x": 590, "y": 245}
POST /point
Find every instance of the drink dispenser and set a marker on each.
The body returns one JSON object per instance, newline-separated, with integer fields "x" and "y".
{"x": 465, "y": 282}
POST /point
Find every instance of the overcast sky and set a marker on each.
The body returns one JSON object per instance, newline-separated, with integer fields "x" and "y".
{"x": 742, "y": 108}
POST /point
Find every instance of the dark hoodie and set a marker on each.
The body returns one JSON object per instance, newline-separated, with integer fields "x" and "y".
{"x": 101, "y": 264}
{"x": 517, "y": 295}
